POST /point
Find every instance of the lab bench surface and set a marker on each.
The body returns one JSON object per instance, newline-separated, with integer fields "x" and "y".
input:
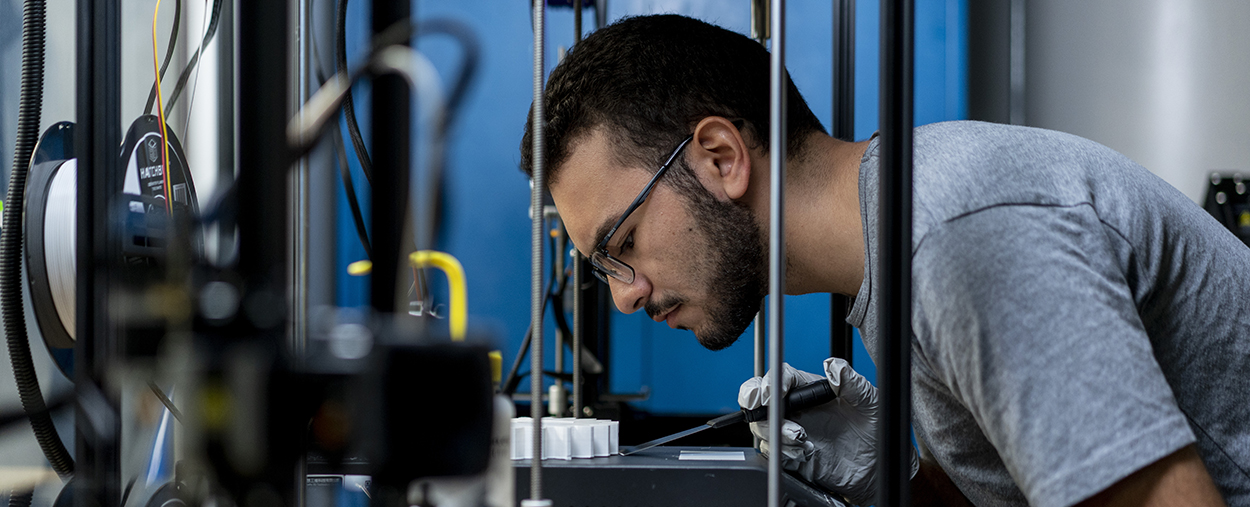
{"x": 658, "y": 477}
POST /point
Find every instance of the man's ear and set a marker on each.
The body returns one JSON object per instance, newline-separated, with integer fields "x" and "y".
{"x": 720, "y": 158}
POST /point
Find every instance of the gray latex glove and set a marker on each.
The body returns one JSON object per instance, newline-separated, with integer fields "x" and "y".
{"x": 833, "y": 445}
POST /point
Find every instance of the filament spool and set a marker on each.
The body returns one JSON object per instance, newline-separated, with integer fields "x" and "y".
{"x": 50, "y": 220}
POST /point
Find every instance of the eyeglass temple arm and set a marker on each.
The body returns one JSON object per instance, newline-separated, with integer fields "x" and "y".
{"x": 646, "y": 191}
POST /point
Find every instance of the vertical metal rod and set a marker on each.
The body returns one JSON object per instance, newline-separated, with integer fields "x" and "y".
{"x": 843, "y": 120}
{"x": 759, "y": 20}
{"x": 601, "y": 13}
{"x": 298, "y": 188}
{"x": 301, "y": 481}
{"x": 577, "y": 21}
{"x": 561, "y": 280}
{"x": 578, "y": 279}
{"x": 557, "y": 395}
{"x": 536, "y": 250}
{"x": 759, "y": 30}
{"x": 225, "y": 124}
{"x": 761, "y": 335}
{"x": 841, "y": 339}
{"x": 1016, "y": 101}
{"x": 776, "y": 239}
{"x": 760, "y": 365}
{"x": 842, "y": 127}
{"x": 894, "y": 313}
{"x": 577, "y": 268}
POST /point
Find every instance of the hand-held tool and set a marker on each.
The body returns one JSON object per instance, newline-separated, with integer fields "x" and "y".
{"x": 804, "y": 397}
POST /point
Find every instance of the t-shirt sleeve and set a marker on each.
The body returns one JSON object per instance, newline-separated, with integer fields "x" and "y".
{"x": 1024, "y": 313}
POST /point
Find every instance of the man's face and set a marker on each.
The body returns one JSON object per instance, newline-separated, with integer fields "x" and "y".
{"x": 698, "y": 261}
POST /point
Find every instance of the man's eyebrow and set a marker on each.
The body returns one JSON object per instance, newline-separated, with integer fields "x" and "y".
{"x": 602, "y": 232}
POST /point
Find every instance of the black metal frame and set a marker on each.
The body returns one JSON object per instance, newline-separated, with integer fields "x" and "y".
{"x": 894, "y": 313}
{"x": 263, "y": 157}
{"x": 842, "y": 127}
{"x": 390, "y": 111}
{"x": 259, "y": 92}
{"x": 97, "y": 420}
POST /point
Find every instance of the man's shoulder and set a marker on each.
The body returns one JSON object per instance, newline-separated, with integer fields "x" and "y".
{"x": 967, "y": 138}
{"x": 961, "y": 167}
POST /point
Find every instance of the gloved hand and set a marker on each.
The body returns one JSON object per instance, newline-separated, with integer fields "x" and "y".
{"x": 833, "y": 445}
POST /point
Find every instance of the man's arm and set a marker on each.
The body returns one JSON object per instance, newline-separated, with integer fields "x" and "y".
{"x": 1178, "y": 479}
{"x": 932, "y": 487}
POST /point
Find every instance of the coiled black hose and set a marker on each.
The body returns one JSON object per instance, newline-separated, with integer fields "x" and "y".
{"x": 11, "y": 306}
{"x": 21, "y": 499}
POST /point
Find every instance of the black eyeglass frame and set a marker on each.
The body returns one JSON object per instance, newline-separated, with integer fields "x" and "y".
{"x": 601, "y": 250}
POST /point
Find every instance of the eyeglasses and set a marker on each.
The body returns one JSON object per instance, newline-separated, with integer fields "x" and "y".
{"x": 605, "y": 265}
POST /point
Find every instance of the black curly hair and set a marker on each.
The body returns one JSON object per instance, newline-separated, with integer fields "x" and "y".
{"x": 650, "y": 79}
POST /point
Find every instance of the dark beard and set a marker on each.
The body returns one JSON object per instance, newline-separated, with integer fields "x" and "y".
{"x": 732, "y": 263}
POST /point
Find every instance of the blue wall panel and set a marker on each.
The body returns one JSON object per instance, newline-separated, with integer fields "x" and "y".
{"x": 487, "y": 196}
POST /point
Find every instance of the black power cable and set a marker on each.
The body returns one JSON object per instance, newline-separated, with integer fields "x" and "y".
{"x": 186, "y": 72}
{"x": 169, "y": 46}
{"x": 401, "y": 32}
{"x": 12, "y": 310}
{"x": 345, "y": 173}
{"x": 349, "y": 107}
{"x": 460, "y": 85}
{"x": 513, "y": 380}
{"x": 555, "y": 295}
{"x": 395, "y": 35}
{"x": 126, "y": 492}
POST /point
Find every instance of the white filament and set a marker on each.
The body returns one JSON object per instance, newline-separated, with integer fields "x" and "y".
{"x": 59, "y": 240}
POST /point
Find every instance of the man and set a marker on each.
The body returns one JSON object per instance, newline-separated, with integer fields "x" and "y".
{"x": 1080, "y": 329}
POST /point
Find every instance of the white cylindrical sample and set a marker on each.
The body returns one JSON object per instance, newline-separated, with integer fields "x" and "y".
{"x": 614, "y": 437}
{"x": 557, "y": 441}
{"x": 600, "y": 436}
{"x": 522, "y": 438}
{"x": 583, "y": 440}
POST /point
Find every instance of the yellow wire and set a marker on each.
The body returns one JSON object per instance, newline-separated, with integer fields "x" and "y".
{"x": 455, "y": 278}
{"x": 160, "y": 112}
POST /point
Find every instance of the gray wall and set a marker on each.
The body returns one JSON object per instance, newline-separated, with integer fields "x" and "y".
{"x": 1163, "y": 81}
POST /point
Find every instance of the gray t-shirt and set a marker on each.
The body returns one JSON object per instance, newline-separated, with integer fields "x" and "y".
{"x": 1074, "y": 317}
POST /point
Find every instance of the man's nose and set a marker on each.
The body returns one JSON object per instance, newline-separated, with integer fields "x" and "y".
{"x": 630, "y": 297}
